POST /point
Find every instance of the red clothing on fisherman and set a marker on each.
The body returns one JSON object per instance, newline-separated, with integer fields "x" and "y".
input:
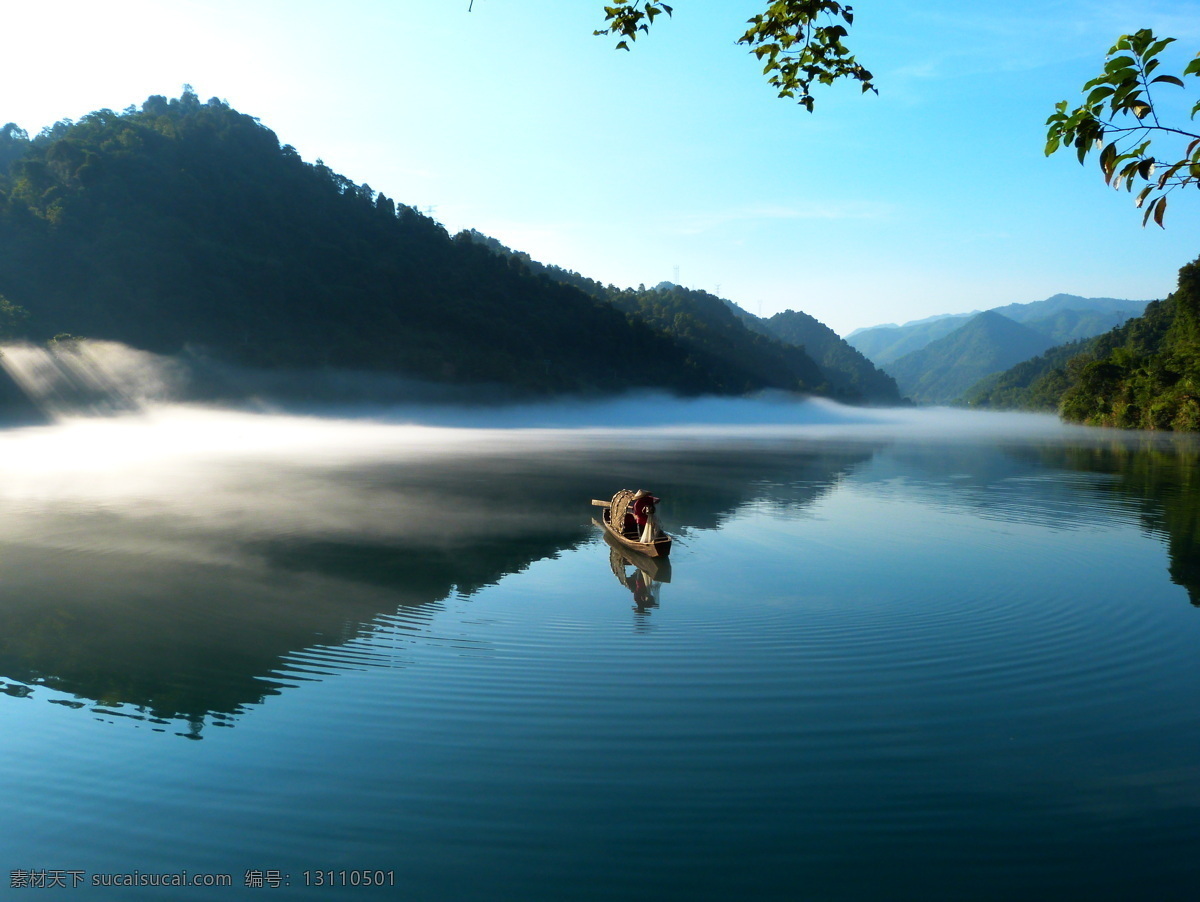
{"x": 643, "y": 506}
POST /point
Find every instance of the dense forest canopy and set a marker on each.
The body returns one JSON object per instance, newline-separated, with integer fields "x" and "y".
{"x": 739, "y": 350}
{"x": 188, "y": 224}
{"x": 848, "y": 370}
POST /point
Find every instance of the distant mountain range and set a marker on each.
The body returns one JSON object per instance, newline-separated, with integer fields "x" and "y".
{"x": 988, "y": 343}
{"x": 937, "y": 360}
{"x": 884, "y": 344}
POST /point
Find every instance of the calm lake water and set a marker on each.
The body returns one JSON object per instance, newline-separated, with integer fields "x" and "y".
{"x": 898, "y": 655}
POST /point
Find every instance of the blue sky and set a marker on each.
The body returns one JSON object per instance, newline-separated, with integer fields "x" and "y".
{"x": 933, "y": 197}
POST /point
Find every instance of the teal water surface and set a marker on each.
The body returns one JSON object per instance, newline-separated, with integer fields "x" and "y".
{"x": 892, "y": 661}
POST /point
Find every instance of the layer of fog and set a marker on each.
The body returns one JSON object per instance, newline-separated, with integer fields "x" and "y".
{"x": 135, "y": 453}
{"x": 88, "y": 378}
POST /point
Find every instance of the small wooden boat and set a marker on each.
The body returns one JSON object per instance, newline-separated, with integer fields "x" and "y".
{"x": 614, "y": 513}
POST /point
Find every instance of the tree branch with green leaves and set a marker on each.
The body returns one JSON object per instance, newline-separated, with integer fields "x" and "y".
{"x": 799, "y": 40}
{"x": 1118, "y": 120}
{"x": 627, "y": 17}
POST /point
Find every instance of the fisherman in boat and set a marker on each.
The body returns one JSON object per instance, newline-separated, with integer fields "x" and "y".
{"x": 644, "y": 515}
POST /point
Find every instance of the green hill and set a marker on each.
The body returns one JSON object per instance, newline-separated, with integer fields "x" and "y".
{"x": 721, "y": 343}
{"x": 1075, "y": 325}
{"x": 940, "y": 372}
{"x": 851, "y": 374}
{"x": 1034, "y": 384}
{"x": 186, "y": 225}
{"x": 1038, "y": 383}
{"x": 734, "y": 347}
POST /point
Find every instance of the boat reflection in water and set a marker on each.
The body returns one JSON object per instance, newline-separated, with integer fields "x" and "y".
{"x": 648, "y": 573}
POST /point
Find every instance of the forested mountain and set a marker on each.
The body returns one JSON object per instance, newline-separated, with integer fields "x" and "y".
{"x": 1144, "y": 374}
{"x": 703, "y": 323}
{"x": 1013, "y": 388}
{"x": 1063, "y": 318}
{"x": 187, "y": 225}
{"x": 557, "y": 273}
{"x": 1034, "y": 384}
{"x": 940, "y": 372}
{"x": 847, "y": 369}
{"x": 737, "y": 348}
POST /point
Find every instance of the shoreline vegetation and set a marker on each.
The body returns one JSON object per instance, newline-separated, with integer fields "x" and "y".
{"x": 1144, "y": 374}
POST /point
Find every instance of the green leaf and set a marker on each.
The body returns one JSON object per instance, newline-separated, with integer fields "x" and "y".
{"x": 1123, "y": 95}
{"x": 1157, "y": 47}
{"x": 1120, "y": 62}
{"x": 1171, "y": 79}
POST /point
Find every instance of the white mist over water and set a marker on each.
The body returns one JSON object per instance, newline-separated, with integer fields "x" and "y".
{"x": 126, "y": 466}
{"x": 76, "y": 375}
{"x": 118, "y": 422}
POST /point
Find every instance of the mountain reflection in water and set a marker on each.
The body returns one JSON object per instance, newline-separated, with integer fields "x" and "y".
{"x": 175, "y": 584}
{"x": 907, "y": 655}
{"x": 166, "y": 567}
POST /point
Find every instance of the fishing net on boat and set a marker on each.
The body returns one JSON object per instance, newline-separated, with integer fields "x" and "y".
{"x": 620, "y": 506}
